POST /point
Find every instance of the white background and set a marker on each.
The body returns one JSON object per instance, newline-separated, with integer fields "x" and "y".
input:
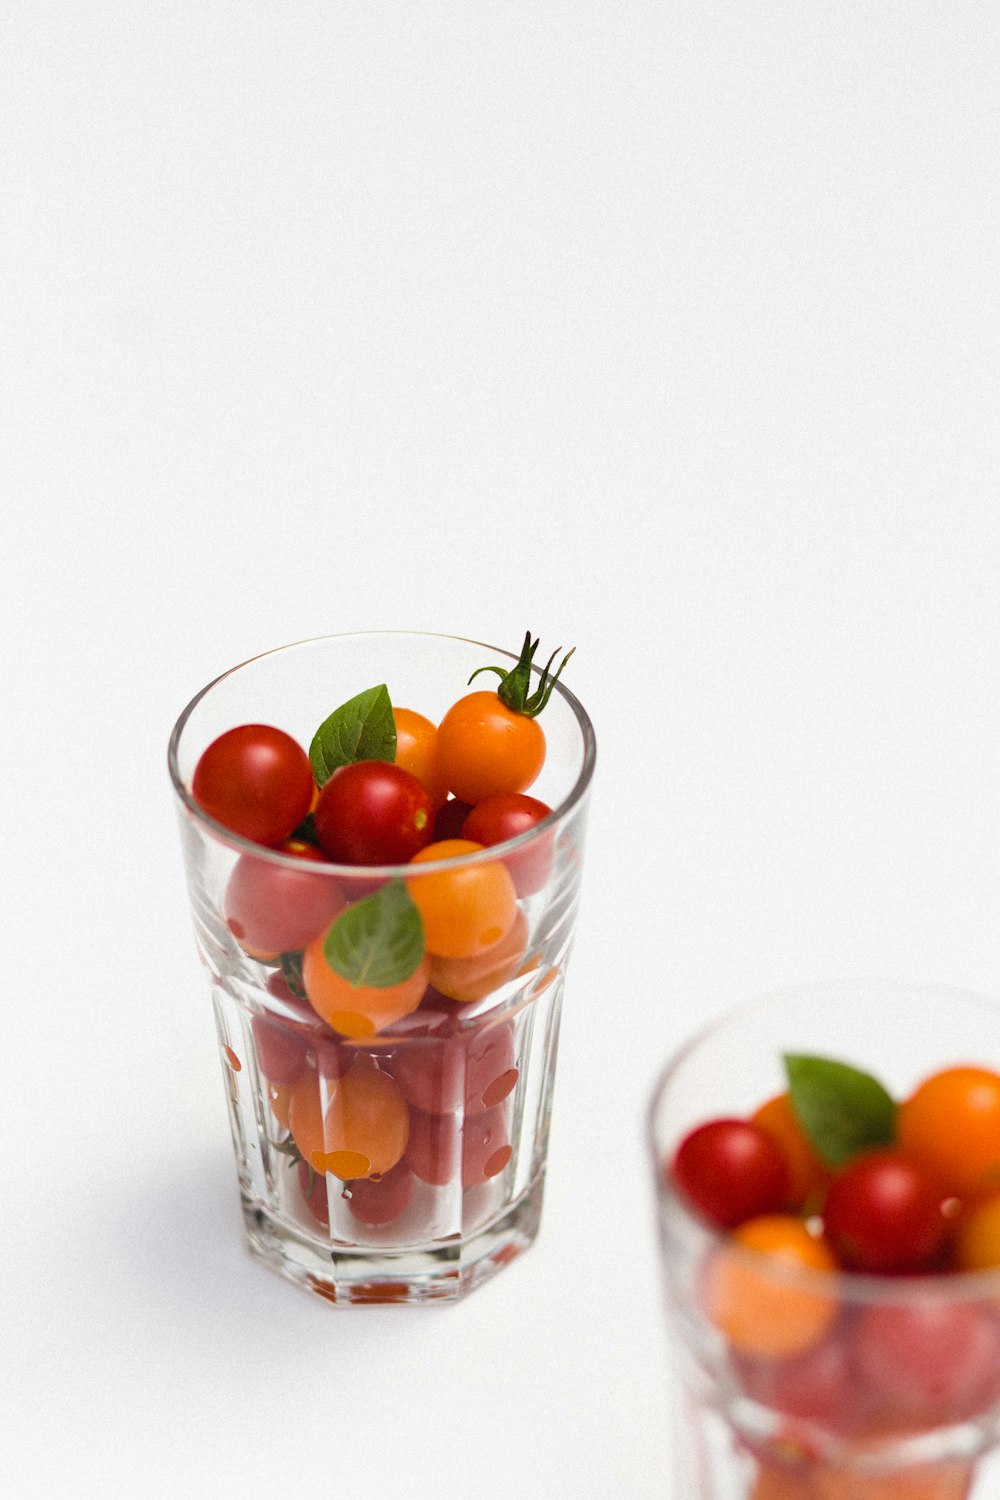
{"x": 669, "y": 330}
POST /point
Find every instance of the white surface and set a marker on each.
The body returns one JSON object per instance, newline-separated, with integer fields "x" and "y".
{"x": 669, "y": 330}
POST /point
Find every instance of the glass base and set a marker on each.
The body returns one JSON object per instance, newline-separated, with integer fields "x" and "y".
{"x": 444, "y": 1270}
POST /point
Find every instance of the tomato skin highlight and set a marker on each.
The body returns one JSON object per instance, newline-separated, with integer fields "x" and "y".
{"x": 256, "y": 781}
{"x": 504, "y": 816}
{"x": 373, "y": 813}
{"x": 485, "y": 747}
{"x": 731, "y": 1171}
{"x": 883, "y": 1213}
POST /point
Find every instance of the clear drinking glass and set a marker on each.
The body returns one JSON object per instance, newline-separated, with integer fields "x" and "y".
{"x": 894, "y": 1394}
{"x": 403, "y": 1163}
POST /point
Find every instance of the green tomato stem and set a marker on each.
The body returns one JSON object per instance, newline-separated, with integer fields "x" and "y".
{"x": 514, "y": 684}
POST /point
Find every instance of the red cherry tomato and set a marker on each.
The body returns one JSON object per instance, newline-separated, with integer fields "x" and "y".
{"x": 434, "y": 1148}
{"x": 272, "y": 909}
{"x": 503, "y": 816}
{"x": 256, "y": 781}
{"x": 732, "y": 1171}
{"x": 281, "y": 1050}
{"x": 373, "y": 813}
{"x": 312, "y": 1186}
{"x": 444, "y": 1148}
{"x": 883, "y": 1213}
{"x": 819, "y": 1385}
{"x": 936, "y": 1360}
{"x": 449, "y": 819}
{"x": 486, "y": 1147}
{"x": 375, "y": 1201}
{"x": 472, "y": 1071}
{"x": 485, "y": 747}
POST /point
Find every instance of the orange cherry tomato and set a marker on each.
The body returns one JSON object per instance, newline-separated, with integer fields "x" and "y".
{"x": 976, "y": 1235}
{"x": 279, "y": 1096}
{"x": 951, "y": 1124}
{"x": 486, "y": 747}
{"x": 778, "y": 1482}
{"x": 468, "y": 979}
{"x": 949, "y": 1480}
{"x": 466, "y": 910}
{"x": 806, "y": 1172}
{"x": 304, "y": 1109}
{"x": 367, "y": 1124}
{"x": 362, "y": 1132}
{"x": 416, "y": 752}
{"x": 759, "y": 1307}
{"x": 356, "y": 1009}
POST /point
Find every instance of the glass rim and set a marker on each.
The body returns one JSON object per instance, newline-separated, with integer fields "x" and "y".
{"x": 329, "y": 868}
{"x": 849, "y": 1287}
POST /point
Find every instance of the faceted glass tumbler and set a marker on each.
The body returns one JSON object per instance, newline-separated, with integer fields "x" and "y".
{"x": 403, "y": 1161}
{"x": 795, "y": 1384}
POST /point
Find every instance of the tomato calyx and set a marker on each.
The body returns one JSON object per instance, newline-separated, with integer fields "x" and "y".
{"x": 514, "y": 684}
{"x": 290, "y": 964}
{"x": 289, "y": 1149}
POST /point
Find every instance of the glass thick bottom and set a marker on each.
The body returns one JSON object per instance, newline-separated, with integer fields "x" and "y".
{"x": 352, "y": 1275}
{"x": 716, "y": 1459}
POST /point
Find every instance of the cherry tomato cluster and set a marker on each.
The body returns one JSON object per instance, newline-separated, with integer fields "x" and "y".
{"x": 387, "y": 959}
{"x": 834, "y": 1176}
{"x": 920, "y": 1192}
{"x": 427, "y": 1101}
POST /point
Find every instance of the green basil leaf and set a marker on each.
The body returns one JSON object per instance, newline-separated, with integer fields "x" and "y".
{"x": 377, "y": 942}
{"x": 842, "y": 1110}
{"x": 363, "y": 728}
